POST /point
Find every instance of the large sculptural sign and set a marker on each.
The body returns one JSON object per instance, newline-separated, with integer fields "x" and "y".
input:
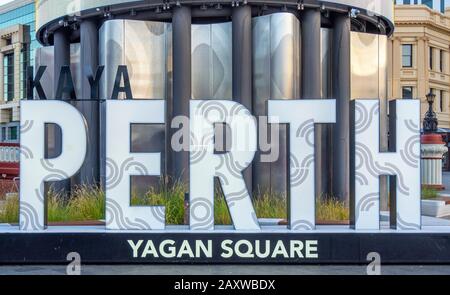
{"x": 140, "y": 234}
{"x": 206, "y": 165}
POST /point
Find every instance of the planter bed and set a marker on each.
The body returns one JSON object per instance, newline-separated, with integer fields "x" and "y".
{"x": 439, "y": 207}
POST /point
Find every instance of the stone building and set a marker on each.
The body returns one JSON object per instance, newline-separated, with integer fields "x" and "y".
{"x": 419, "y": 59}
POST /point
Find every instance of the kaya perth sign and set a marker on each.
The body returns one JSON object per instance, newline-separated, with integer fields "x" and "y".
{"x": 367, "y": 165}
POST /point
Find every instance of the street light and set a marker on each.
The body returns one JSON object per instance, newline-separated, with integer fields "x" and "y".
{"x": 430, "y": 98}
{"x": 430, "y": 122}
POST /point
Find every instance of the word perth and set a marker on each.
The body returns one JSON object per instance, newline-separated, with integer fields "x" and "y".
{"x": 367, "y": 163}
{"x": 228, "y": 249}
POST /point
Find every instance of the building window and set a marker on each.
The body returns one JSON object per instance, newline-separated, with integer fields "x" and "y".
{"x": 24, "y": 63}
{"x": 428, "y": 3}
{"x": 8, "y": 77}
{"x": 4, "y": 134}
{"x": 441, "y": 60}
{"x": 12, "y": 133}
{"x": 407, "y": 92}
{"x": 407, "y": 55}
{"x": 431, "y": 58}
{"x": 405, "y": 2}
{"x": 441, "y": 101}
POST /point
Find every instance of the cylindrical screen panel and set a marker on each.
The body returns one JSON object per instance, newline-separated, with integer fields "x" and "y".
{"x": 212, "y": 61}
{"x": 276, "y": 75}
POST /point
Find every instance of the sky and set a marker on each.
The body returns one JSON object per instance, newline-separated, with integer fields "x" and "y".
{"x": 4, "y": 1}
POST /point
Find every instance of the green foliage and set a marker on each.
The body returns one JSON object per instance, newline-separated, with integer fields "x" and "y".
{"x": 9, "y": 213}
{"x": 270, "y": 205}
{"x": 88, "y": 204}
{"x": 171, "y": 196}
{"x": 221, "y": 213}
{"x": 429, "y": 193}
{"x": 331, "y": 209}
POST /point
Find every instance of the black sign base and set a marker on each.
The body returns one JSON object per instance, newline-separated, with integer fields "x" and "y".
{"x": 221, "y": 248}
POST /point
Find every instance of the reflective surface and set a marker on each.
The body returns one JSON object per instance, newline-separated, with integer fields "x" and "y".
{"x": 143, "y": 48}
{"x": 45, "y": 57}
{"x": 369, "y": 68}
{"x": 212, "y": 61}
{"x": 276, "y": 75}
{"x": 326, "y": 55}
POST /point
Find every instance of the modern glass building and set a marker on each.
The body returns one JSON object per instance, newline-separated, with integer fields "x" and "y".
{"x": 21, "y": 12}
{"x": 434, "y": 4}
{"x": 17, "y": 51}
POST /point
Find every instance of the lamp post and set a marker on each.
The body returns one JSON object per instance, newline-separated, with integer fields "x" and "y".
{"x": 430, "y": 121}
{"x": 432, "y": 148}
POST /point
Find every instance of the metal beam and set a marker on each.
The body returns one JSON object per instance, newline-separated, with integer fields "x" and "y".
{"x": 89, "y": 171}
{"x": 181, "y": 26}
{"x": 341, "y": 92}
{"x": 62, "y": 58}
{"x": 242, "y": 66}
{"x": 312, "y": 89}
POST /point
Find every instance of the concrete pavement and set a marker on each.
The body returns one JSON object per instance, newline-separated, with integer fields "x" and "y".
{"x": 226, "y": 270}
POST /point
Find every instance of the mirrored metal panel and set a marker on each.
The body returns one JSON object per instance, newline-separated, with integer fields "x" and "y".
{"x": 365, "y": 65}
{"x": 369, "y": 65}
{"x": 45, "y": 57}
{"x": 276, "y": 75}
{"x": 326, "y": 55}
{"x": 143, "y": 48}
{"x": 212, "y": 61}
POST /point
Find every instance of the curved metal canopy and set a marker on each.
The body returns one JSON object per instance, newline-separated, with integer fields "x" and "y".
{"x": 52, "y": 14}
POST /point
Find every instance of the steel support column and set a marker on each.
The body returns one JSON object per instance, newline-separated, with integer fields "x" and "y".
{"x": 242, "y": 66}
{"x": 341, "y": 92}
{"x": 62, "y": 55}
{"x": 312, "y": 89}
{"x": 61, "y": 58}
{"x": 89, "y": 172}
{"x": 181, "y": 26}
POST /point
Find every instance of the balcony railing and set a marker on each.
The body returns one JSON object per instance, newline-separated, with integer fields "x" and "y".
{"x": 9, "y": 160}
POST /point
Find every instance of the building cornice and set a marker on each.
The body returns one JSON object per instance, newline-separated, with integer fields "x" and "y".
{"x": 429, "y": 25}
{"x": 14, "y": 5}
{"x": 421, "y": 15}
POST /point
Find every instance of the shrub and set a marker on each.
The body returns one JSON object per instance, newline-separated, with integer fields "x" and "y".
{"x": 10, "y": 211}
{"x": 429, "y": 193}
{"x": 331, "y": 209}
{"x": 88, "y": 204}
